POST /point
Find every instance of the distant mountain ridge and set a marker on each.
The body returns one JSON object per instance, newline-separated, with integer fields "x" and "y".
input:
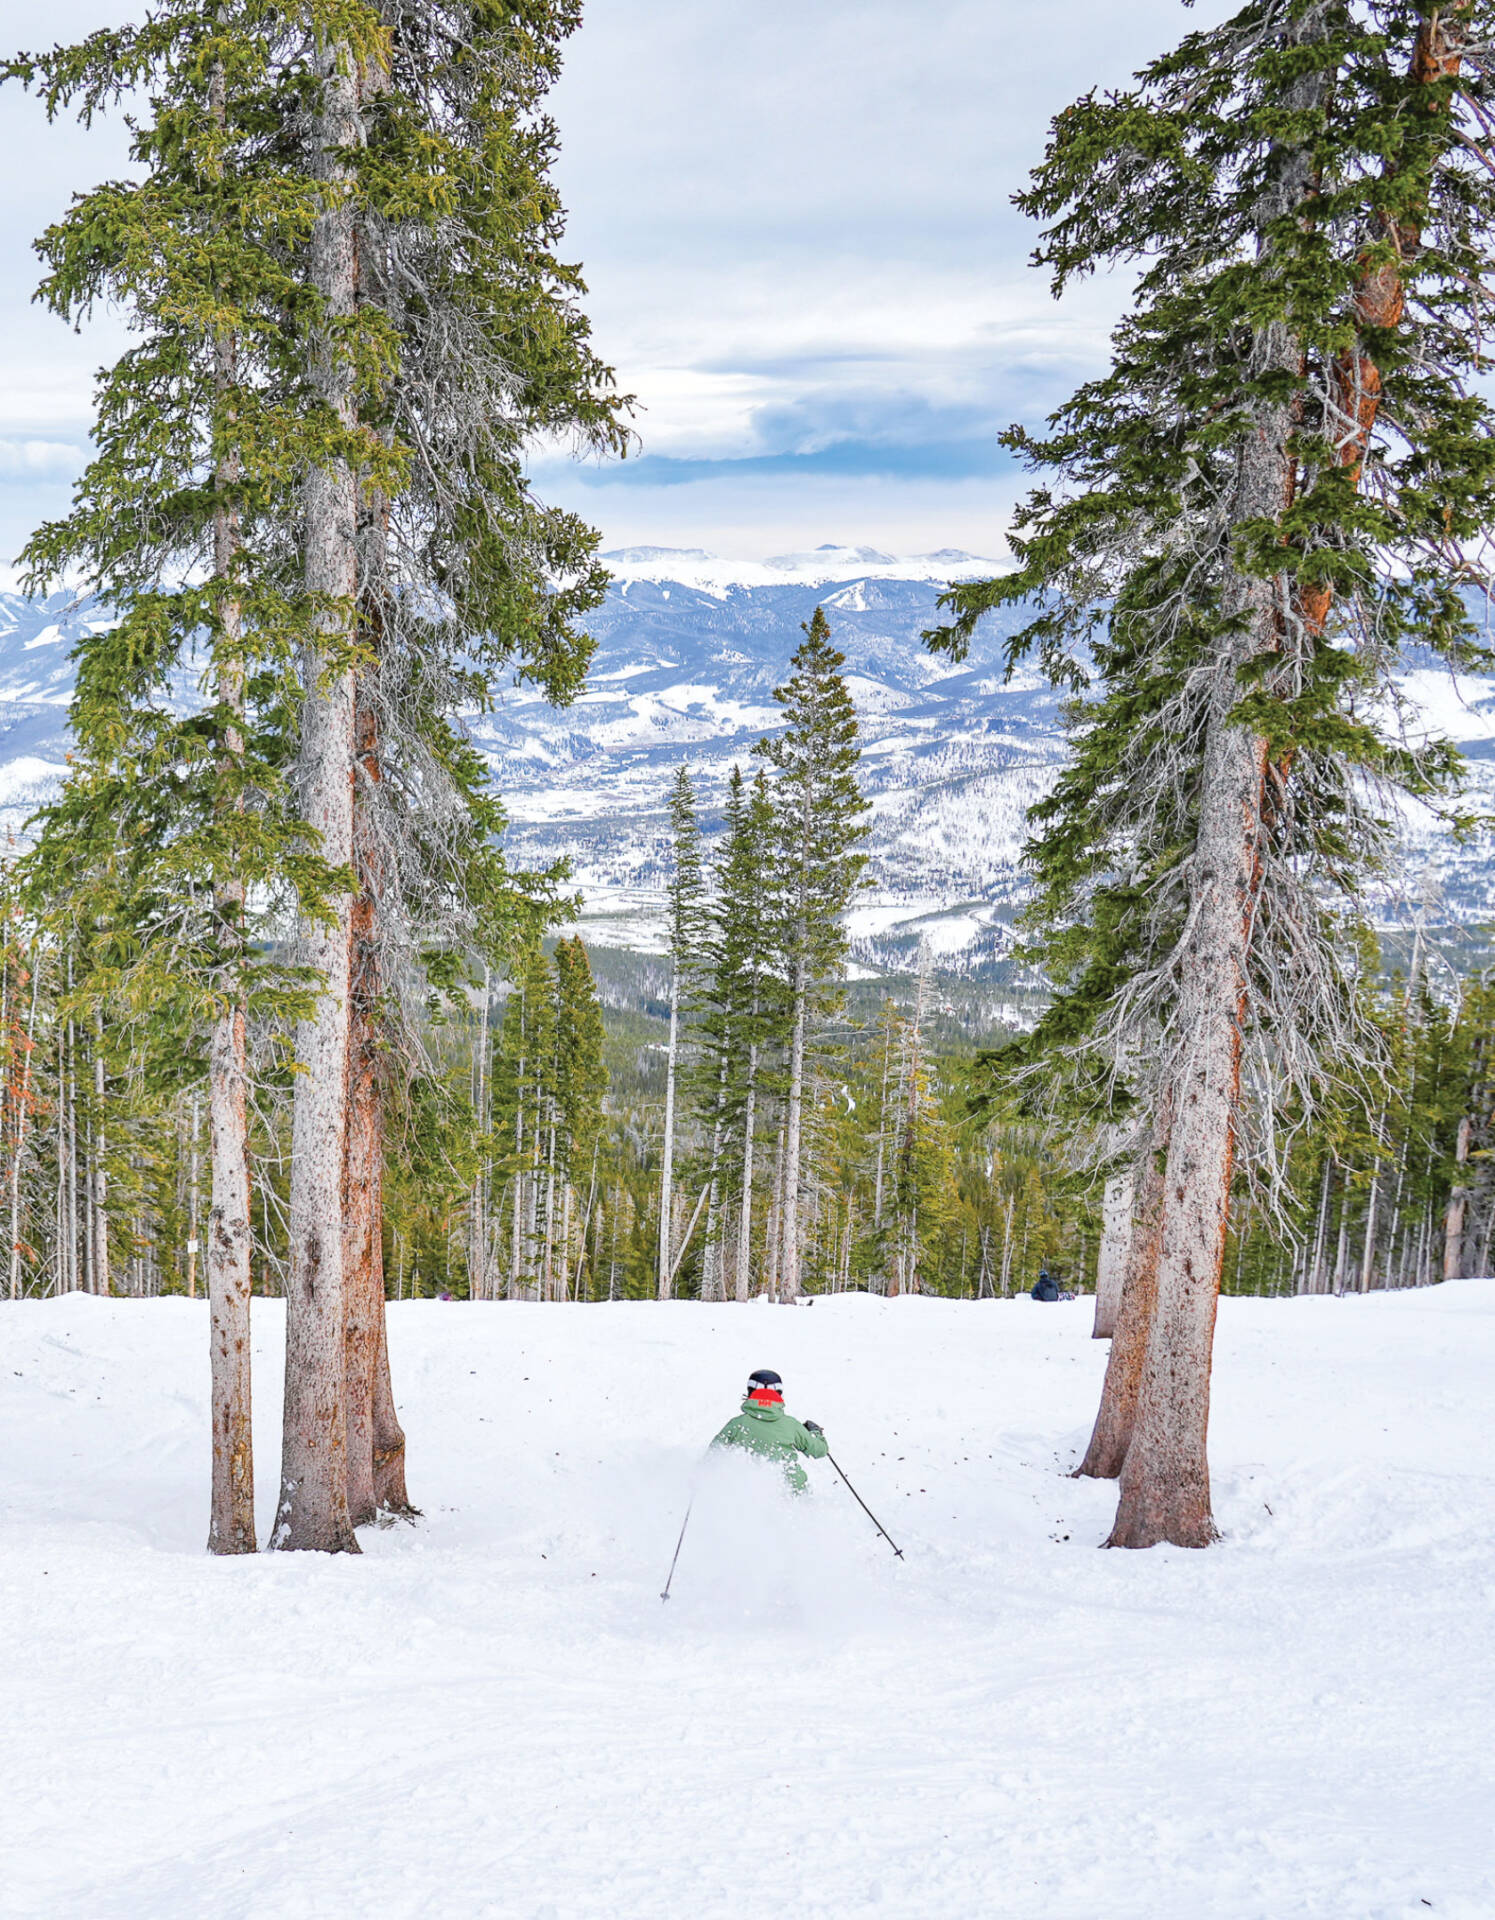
{"x": 689, "y": 650}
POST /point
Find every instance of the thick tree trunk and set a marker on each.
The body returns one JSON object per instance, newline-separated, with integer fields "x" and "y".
{"x": 1116, "y": 1239}
{"x": 230, "y": 1248}
{"x": 313, "y": 1507}
{"x": 1165, "y": 1476}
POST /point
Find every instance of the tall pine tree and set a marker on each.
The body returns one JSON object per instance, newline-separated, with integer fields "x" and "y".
{"x": 819, "y": 825}
{"x": 1268, "y": 492}
{"x": 342, "y": 256}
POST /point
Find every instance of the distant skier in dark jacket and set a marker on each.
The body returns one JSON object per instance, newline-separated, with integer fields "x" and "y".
{"x": 763, "y": 1427}
{"x": 1047, "y": 1288}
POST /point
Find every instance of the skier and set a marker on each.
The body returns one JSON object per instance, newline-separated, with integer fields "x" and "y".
{"x": 1047, "y": 1288}
{"x": 764, "y": 1427}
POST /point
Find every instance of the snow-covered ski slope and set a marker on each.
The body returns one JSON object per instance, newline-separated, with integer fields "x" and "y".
{"x": 492, "y": 1714}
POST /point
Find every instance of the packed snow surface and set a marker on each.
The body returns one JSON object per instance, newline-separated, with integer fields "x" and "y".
{"x": 492, "y": 1713}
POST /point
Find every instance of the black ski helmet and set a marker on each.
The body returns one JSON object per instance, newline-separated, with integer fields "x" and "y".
{"x": 765, "y": 1380}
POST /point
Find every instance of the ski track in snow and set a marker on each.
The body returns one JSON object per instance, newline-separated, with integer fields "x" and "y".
{"x": 491, "y": 1714}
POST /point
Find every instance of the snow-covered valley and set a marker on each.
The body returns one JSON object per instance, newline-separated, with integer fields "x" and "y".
{"x": 491, "y": 1713}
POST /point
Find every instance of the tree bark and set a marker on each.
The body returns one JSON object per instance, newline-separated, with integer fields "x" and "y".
{"x": 230, "y": 1248}
{"x": 229, "y": 1256}
{"x": 1165, "y": 1473}
{"x": 1165, "y": 1477}
{"x": 1110, "y": 1266}
{"x": 312, "y": 1512}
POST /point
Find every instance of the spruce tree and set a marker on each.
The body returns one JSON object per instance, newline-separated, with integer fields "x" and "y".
{"x": 169, "y": 828}
{"x": 354, "y": 320}
{"x": 1267, "y": 493}
{"x": 818, "y": 829}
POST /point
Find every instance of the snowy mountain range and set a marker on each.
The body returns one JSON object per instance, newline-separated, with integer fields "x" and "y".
{"x": 689, "y": 651}
{"x": 690, "y": 648}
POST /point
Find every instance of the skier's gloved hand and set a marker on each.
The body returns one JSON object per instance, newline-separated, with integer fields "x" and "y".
{"x": 813, "y": 1426}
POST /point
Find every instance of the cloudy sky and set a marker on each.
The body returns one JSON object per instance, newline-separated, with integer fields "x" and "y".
{"x": 794, "y": 220}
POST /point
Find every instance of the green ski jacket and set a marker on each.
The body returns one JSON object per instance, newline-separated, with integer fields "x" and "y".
{"x": 777, "y": 1436}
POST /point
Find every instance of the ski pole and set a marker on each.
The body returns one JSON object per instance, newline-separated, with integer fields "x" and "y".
{"x": 862, "y": 1504}
{"x": 678, "y": 1545}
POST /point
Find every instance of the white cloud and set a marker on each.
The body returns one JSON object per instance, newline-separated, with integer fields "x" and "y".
{"x": 795, "y": 221}
{"x": 38, "y": 459}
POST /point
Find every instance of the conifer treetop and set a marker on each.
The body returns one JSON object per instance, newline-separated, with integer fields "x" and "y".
{"x": 1307, "y": 190}
{"x": 818, "y": 806}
